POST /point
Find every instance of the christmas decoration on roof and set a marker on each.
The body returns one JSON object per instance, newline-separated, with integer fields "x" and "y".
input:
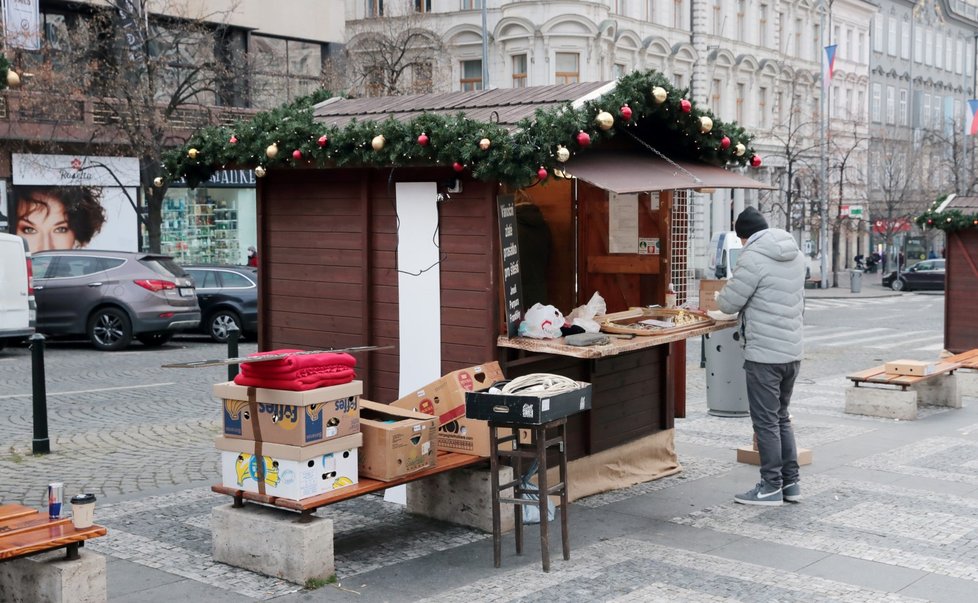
{"x": 644, "y": 103}
{"x": 948, "y": 219}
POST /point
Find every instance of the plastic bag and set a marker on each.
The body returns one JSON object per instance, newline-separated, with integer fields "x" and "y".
{"x": 531, "y": 513}
{"x": 542, "y": 322}
{"x": 583, "y": 316}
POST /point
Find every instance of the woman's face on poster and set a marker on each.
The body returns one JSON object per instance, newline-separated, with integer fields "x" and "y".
{"x": 43, "y": 222}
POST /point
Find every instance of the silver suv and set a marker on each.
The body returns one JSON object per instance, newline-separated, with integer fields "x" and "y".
{"x": 113, "y": 296}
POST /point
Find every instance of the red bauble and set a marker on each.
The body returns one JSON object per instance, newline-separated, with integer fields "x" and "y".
{"x": 297, "y": 154}
{"x": 542, "y": 173}
{"x": 685, "y": 105}
{"x": 626, "y": 113}
{"x": 423, "y": 139}
{"x": 458, "y": 167}
{"x": 724, "y": 143}
{"x": 755, "y": 161}
{"x": 583, "y": 138}
{"x": 323, "y": 141}
{"x": 233, "y": 139}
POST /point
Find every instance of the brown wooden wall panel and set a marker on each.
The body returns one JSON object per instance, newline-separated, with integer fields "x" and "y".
{"x": 961, "y": 297}
{"x": 352, "y": 309}
{"x": 311, "y": 289}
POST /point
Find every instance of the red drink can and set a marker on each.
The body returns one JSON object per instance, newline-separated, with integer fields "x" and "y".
{"x": 56, "y": 495}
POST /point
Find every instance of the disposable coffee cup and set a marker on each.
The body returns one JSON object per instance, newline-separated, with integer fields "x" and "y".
{"x": 82, "y": 510}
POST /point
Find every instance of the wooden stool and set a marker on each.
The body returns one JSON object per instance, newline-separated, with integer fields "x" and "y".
{"x": 536, "y": 449}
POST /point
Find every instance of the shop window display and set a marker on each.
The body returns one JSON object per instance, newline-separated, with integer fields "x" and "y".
{"x": 200, "y": 226}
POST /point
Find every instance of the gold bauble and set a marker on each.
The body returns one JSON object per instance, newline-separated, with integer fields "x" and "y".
{"x": 378, "y": 142}
{"x": 484, "y": 144}
{"x": 740, "y": 149}
{"x": 13, "y": 80}
{"x": 604, "y": 120}
{"x": 260, "y": 172}
{"x": 271, "y": 151}
{"x": 562, "y": 154}
{"x": 192, "y": 153}
{"x": 706, "y": 124}
{"x": 158, "y": 182}
{"x": 659, "y": 94}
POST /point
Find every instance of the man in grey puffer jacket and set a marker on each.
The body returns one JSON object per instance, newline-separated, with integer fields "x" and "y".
{"x": 768, "y": 289}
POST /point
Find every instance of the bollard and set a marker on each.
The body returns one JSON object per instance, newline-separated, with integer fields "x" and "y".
{"x": 41, "y": 443}
{"x": 234, "y": 334}
{"x": 702, "y": 351}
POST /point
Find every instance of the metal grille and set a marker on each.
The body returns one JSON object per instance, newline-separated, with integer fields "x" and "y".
{"x": 3, "y": 107}
{"x": 680, "y": 241}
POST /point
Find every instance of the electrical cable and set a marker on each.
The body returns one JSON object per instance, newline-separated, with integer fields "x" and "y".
{"x": 540, "y": 384}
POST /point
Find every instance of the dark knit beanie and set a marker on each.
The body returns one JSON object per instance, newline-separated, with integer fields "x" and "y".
{"x": 748, "y": 222}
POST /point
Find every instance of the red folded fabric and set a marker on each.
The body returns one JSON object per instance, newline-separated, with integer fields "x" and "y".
{"x": 297, "y": 384}
{"x": 297, "y": 363}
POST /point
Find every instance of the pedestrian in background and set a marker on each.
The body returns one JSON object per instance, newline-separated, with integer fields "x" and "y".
{"x": 252, "y": 256}
{"x": 767, "y": 289}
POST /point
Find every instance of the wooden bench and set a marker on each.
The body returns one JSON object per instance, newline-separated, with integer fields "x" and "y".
{"x": 897, "y": 396}
{"x": 31, "y": 566}
{"x": 968, "y": 378}
{"x": 25, "y": 531}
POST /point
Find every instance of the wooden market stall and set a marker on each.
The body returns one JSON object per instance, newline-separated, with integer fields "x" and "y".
{"x": 958, "y": 217}
{"x": 616, "y": 215}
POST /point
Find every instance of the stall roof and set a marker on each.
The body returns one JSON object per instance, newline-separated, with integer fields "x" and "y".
{"x": 960, "y": 203}
{"x": 507, "y": 106}
{"x": 635, "y": 172}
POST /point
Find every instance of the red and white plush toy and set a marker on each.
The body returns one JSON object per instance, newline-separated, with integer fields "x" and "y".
{"x": 542, "y": 322}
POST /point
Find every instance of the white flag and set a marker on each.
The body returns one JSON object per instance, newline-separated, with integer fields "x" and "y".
{"x": 21, "y": 24}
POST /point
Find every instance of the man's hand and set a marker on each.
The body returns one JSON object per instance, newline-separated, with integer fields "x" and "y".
{"x": 716, "y": 295}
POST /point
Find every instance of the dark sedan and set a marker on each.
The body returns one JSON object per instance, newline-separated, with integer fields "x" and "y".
{"x": 928, "y": 274}
{"x": 228, "y": 295}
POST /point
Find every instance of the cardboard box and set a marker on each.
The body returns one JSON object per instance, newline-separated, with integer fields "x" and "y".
{"x": 396, "y": 442}
{"x": 527, "y": 409}
{"x": 292, "y": 418}
{"x": 909, "y": 367}
{"x": 445, "y": 399}
{"x": 293, "y": 472}
{"x": 750, "y": 456}
{"x": 707, "y": 288}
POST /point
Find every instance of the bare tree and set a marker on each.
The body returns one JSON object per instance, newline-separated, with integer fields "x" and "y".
{"x": 845, "y": 158}
{"x": 147, "y": 83}
{"x": 393, "y": 53}
{"x": 797, "y": 143}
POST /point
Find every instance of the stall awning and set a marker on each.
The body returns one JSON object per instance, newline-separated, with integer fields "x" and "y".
{"x": 625, "y": 172}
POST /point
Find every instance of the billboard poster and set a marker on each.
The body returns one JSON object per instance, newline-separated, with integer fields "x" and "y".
{"x": 74, "y": 201}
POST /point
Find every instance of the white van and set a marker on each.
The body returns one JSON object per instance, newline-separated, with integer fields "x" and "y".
{"x": 17, "y": 309}
{"x": 724, "y": 249}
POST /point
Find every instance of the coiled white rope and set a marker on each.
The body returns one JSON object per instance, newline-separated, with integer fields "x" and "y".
{"x": 540, "y": 384}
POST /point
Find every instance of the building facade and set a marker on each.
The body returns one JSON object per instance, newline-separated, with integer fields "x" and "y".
{"x": 756, "y": 62}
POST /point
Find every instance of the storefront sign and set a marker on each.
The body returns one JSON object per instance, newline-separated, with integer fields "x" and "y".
{"x": 511, "y": 263}
{"x": 648, "y": 247}
{"x": 225, "y": 179}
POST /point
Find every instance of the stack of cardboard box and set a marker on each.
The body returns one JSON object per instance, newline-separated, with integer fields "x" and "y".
{"x": 290, "y": 444}
{"x": 445, "y": 399}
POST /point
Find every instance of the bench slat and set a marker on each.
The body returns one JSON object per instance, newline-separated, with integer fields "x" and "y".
{"x": 24, "y": 531}
{"x": 446, "y": 462}
{"x": 967, "y": 359}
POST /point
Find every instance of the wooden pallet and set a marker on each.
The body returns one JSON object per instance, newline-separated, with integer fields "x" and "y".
{"x": 446, "y": 461}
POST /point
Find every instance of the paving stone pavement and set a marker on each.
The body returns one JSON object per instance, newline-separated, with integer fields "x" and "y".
{"x": 892, "y": 499}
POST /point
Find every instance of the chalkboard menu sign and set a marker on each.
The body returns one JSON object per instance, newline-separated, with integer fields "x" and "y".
{"x": 511, "y": 263}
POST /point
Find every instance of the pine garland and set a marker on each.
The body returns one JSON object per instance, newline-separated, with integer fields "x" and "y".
{"x": 949, "y": 220}
{"x": 513, "y": 157}
{"x": 4, "y": 68}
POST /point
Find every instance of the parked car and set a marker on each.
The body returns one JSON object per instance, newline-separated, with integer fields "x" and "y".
{"x": 228, "y": 296}
{"x": 113, "y": 296}
{"x": 17, "y": 309}
{"x": 928, "y": 274}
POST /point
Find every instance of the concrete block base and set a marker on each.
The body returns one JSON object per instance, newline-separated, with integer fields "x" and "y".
{"x": 462, "y": 496}
{"x": 967, "y": 383}
{"x": 941, "y": 391}
{"x": 273, "y": 542}
{"x": 50, "y": 578}
{"x": 882, "y": 402}
{"x": 747, "y": 454}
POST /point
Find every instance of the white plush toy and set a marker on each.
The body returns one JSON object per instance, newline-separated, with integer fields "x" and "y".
{"x": 542, "y": 322}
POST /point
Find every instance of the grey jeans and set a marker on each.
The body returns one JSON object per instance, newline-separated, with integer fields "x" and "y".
{"x": 769, "y": 389}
